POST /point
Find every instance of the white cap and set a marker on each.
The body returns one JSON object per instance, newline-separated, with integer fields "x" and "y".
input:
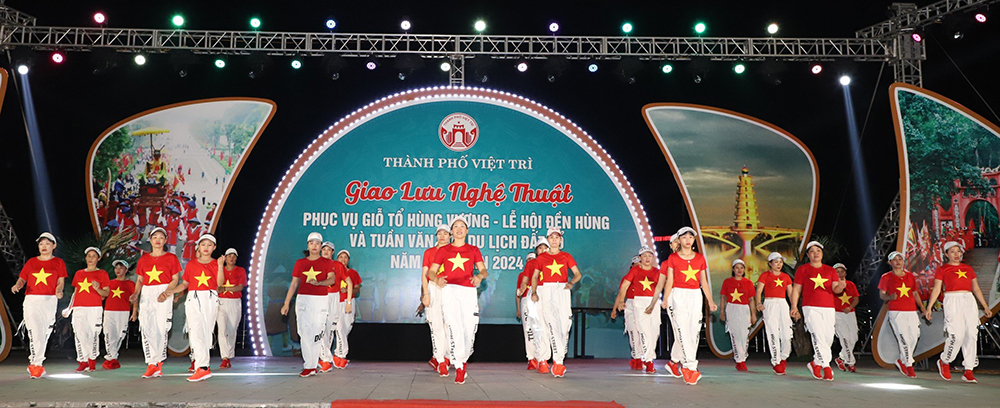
{"x": 554, "y": 230}
{"x": 314, "y": 236}
{"x": 121, "y": 262}
{"x": 232, "y": 251}
{"x": 157, "y": 229}
{"x": 47, "y": 236}
{"x": 541, "y": 241}
{"x": 343, "y": 251}
{"x": 457, "y": 219}
{"x": 738, "y": 261}
{"x": 532, "y": 256}
{"x": 443, "y": 227}
{"x": 635, "y": 259}
{"x": 813, "y": 244}
{"x": 685, "y": 230}
{"x": 643, "y": 249}
{"x": 773, "y": 256}
{"x": 207, "y": 236}
{"x": 948, "y": 245}
{"x": 839, "y": 265}
{"x": 329, "y": 244}
{"x": 894, "y": 254}
{"x": 95, "y": 249}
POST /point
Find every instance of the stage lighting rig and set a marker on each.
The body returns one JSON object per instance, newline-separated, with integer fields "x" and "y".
{"x": 479, "y": 26}
{"x": 627, "y": 28}
{"x": 177, "y": 20}
{"x": 406, "y": 64}
{"x": 258, "y": 64}
{"x": 140, "y": 60}
{"x": 772, "y": 28}
{"x": 666, "y": 67}
{"x": 58, "y": 57}
{"x": 700, "y": 28}
{"x": 553, "y": 27}
{"x": 255, "y": 23}
{"x": 405, "y": 25}
{"x": 845, "y": 80}
{"x": 592, "y": 66}
{"x": 699, "y": 68}
{"x": 816, "y": 69}
{"x": 739, "y": 68}
{"x": 100, "y": 18}
{"x": 331, "y": 24}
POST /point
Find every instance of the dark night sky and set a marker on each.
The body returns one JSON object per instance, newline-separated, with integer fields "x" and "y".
{"x": 75, "y": 106}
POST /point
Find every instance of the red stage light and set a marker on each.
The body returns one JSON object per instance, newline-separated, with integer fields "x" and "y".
{"x": 816, "y": 69}
{"x": 58, "y": 57}
{"x": 99, "y": 18}
{"x": 980, "y": 17}
{"x": 916, "y": 37}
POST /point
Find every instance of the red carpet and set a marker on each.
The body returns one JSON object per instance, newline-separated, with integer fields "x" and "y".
{"x": 480, "y": 404}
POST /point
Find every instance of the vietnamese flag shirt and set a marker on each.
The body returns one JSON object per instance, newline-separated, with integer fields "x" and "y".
{"x": 319, "y": 269}
{"x": 42, "y": 276}
{"x": 904, "y": 287}
{"x": 687, "y": 272}
{"x": 117, "y": 299}
{"x": 459, "y": 262}
{"x": 529, "y": 270}
{"x": 86, "y": 282}
{"x": 955, "y": 277}
{"x": 848, "y": 296}
{"x": 355, "y": 281}
{"x": 201, "y": 276}
{"x": 235, "y": 277}
{"x": 157, "y": 270}
{"x": 643, "y": 281}
{"x": 738, "y": 291}
{"x": 817, "y": 284}
{"x": 429, "y": 259}
{"x": 775, "y": 285}
{"x": 554, "y": 268}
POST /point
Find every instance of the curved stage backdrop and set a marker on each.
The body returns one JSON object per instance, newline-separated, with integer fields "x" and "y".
{"x": 379, "y": 181}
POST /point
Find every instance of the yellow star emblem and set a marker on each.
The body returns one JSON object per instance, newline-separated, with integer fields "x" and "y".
{"x": 41, "y": 277}
{"x": 440, "y": 269}
{"x": 117, "y": 293}
{"x": 845, "y": 298}
{"x": 227, "y": 284}
{"x": 961, "y": 274}
{"x": 690, "y": 273}
{"x": 819, "y": 280}
{"x": 904, "y": 291}
{"x": 779, "y": 283}
{"x": 343, "y": 284}
{"x": 154, "y": 275}
{"x": 555, "y": 268}
{"x": 203, "y": 279}
{"x": 311, "y": 273}
{"x": 85, "y": 286}
{"x": 646, "y": 283}
{"x": 736, "y": 296}
{"x": 458, "y": 262}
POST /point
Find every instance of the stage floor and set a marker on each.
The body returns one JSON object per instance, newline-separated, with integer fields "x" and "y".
{"x": 274, "y": 382}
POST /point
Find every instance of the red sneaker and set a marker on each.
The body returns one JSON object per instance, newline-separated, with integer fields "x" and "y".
{"x": 447, "y": 362}
{"x": 944, "y": 370}
{"x": 532, "y": 364}
{"x": 784, "y": 366}
{"x": 742, "y": 367}
{"x": 649, "y": 369}
{"x": 674, "y": 369}
{"x": 151, "y": 371}
{"x": 307, "y": 372}
{"x": 225, "y": 364}
{"x": 116, "y": 364}
{"x": 442, "y": 369}
{"x": 691, "y": 377}
{"x": 910, "y": 373}
{"x": 36, "y": 371}
{"x": 325, "y": 366}
{"x": 460, "y": 375}
{"x": 543, "y": 367}
{"x": 779, "y": 369}
{"x": 841, "y": 365}
{"x": 901, "y": 367}
{"x": 636, "y": 364}
{"x": 968, "y": 377}
{"x": 91, "y": 365}
{"x": 559, "y": 370}
{"x": 191, "y": 369}
{"x": 107, "y": 365}
{"x": 200, "y": 375}
{"x": 828, "y": 373}
{"x": 340, "y": 363}
{"x": 852, "y": 368}
{"x": 434, "y": 363}
{"x": 82, "y": 367}
{"x": 815, "y": 370}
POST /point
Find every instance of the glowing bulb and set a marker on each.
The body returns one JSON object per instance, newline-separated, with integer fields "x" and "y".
{"x": 480, "y": 26}
{"x": 22, "y": 69}
{"x": 522, "y": 66}
{"x": 445, "y": 66}
{"x": 140, "y": 60}
{"x": 220, "y": 63}
{"x": 592, "y": 67}
{"x": 296, "y": 64}
{"x": 667, "y": 68}
{"x": 739, "y": 68}
{"x": 331, "y": 24}
{"x": 816, "y": 69}
{"x": 57, "y": 57}
{"x": 845, "y": 80}
{"x": 255, "y": 23}
{"x": 177, "y": 20}
{"x": 700, "y": 28}
{"x": 553, "y": 27}
{"x": 99, "y": 18}
{"x": 627, "y": 28}
{"x": 772, "y": 28}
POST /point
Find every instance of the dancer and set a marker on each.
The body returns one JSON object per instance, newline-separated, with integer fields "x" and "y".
{"x": 527, "y": 322}
{"x": 230, "y": 307}
{"x": 961, "y": 314}
{"x": 87, "y": 309}
{"x": 775, "y": 287}
{"x": 118, "y": 311}
{"x": 459, "y": 298}
{"x": 542, "y": 343}
{"x": 816, "y": 283}
{"x": 326, "y": 359}
{"x": 430, "y": 298}
{"x": 159, "y": 272}
{"x": 555, "y": 296}
{"x": 202, "y": 278}
{"x": 846, "y": 322}
{"x": 346, "y": 289}
{"x": 738, "y": 311}
{"x": 44, "y": 276}
{"x": 681, "y": 276}
{"x": 633, "y": 337}
{"x": 641, "y": 281}
{"x": 898, "y": 288}
{"x": 311, "y": 279}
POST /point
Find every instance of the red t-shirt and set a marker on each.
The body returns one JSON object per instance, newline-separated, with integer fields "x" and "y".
{"x": 817, "y": 284}
{"x": 340, "y": 271}
{"x": 235, "y": 277}
{"x": 159, "y": 270}
{"x": 319, "y": 269}
{"x": 459, "y": 263}
{"x": 355, "y": 281}
{"x": 846, "y": 297}
{"x": 42, "y": 276}
{"x": 429, "y": 259}
{"x": 85, "y": 283}
{"x": 775, "y": 285}
{"x": 630, "y": 292}
{"x": 687, "y": 273}
{"x": 738, "y": 291}
{"x": 120, "y": 292}
{"x": 554, "y": 268}
{"x": 904, "y": 287}
{"x": 643, "y": 282}
{"x": 955, "y": 277}
{"x": 201, "y": 276}
{"x": 520, "y": 278}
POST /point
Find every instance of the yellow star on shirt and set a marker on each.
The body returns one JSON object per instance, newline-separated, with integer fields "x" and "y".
{"x": 819, "y": 280}
{"x": 440, "y": 269}
{"x": 117, "y": 293}
{"x": 961, "y": 274}
{"x": 154, "y": 275}
{"x": 845, "y": 298}
{"x": 85, "y": 286}
{"x": 203, "y": 279}
{"x": 690, "y": 273}
{"x": 41, "y": 277}
{"x": 904, "y": 291}
{"x": 227, "y": 284}
{"x": 458, "y": 262}
{"x": 779, "y": 283}
{"x": 343, "y": 284}
{"x": 311, "y": 274}
{"x": 646, "y": 283}
{"x": 555, "y": 268}
{"x": 736, "y": 296}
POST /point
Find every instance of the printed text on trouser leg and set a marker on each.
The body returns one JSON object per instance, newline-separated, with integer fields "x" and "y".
{"x": 817, "y": 354}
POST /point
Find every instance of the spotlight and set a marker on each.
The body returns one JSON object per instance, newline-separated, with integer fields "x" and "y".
{"x": 980, "y": 17}
{"x": 772, "y": 28}
{"x": 522, "y": 66}
{"x": 666, "y": 68}
{"x": 697, "y": 79}
{"x": 371, "y": 63}
{"x": 402, "y": 76}
{"x": 916, "y": 36}
{"x": 99, "y": 18}
{"x": 177, "y": 20}
{"x": 181, "y": 60}
{"x": 627, "y": 28}
{"x": 22, "y": 69}
{"x": 816, "y": 69}
{"x": 845, "y": 80}
{"x": 258, "y": 63}
{"x": 405, "y": 25}
{"x": 957, "y": 35}
{"x": 331, "y": 24}
{"x": 445, "y": 66}
{"x": 592, "y": 67}
{"x": 553, "y": 27}
{"x": 220, "y": 63}
{"x": 140, "y": 60}
{"x": 480, "y": 26}
{"x": 255, "y": 23}
{"x": 296, "y": 63}
{"x": 58, "y": 57}
{"x": 699, "y": 68}
{"x": 406, "y": 64}
{"x": 700, "y": 27}
{"x": 739, "y": 69}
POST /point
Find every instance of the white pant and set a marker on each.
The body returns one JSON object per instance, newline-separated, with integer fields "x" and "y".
{"x": 846, "y": 328}
{"x": 115, "y": 329}
{"x": 647, "y": 327}
{"x": 201, "y": 310}
{"x": 435, "y": 320}
{"x": 820, "y": 323}
{"x": 906, "y": 327}
{"x": 778, "y": 325}
{"x": 738, "y": 326}
{"x": 87, "y": 332}
{"x": 310, "y": 313}
{"x": 154, "y": 322}
{"x": 460, "y": 306}
{"x": 684, "y": 308}
{"x": 961, "y": 325}
{"x": 528, "y": 326}
{"x": 39, "y": 317}
{"x": 630, "y": 329}
{"x": 543, "y": 341}
{"x": 228, "y": 320}
{"x": 345, "y": 322}
{"x": 556, "y": 307}
{"x": 330, "y": 326}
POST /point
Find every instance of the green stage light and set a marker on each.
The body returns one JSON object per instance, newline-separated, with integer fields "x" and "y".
{"x": 739, "y": 68}
{"x": 255, "y": 23}
{"x": 627, "y": 28}
{"x": 220, "y": 63}
{"x": 296, "y": 63}
{"x": 699, "y": 28}
{"x": 667, "y": 68}
{"x": 480, "y": 26}
{"x": 177, "y": 20}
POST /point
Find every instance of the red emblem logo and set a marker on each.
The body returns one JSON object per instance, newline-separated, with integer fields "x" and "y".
{"x": 458, "y": 132}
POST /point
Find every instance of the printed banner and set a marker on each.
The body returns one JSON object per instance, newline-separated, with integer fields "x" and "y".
{"x": 749, "y": 186}
{"x": 379, "y": 181}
